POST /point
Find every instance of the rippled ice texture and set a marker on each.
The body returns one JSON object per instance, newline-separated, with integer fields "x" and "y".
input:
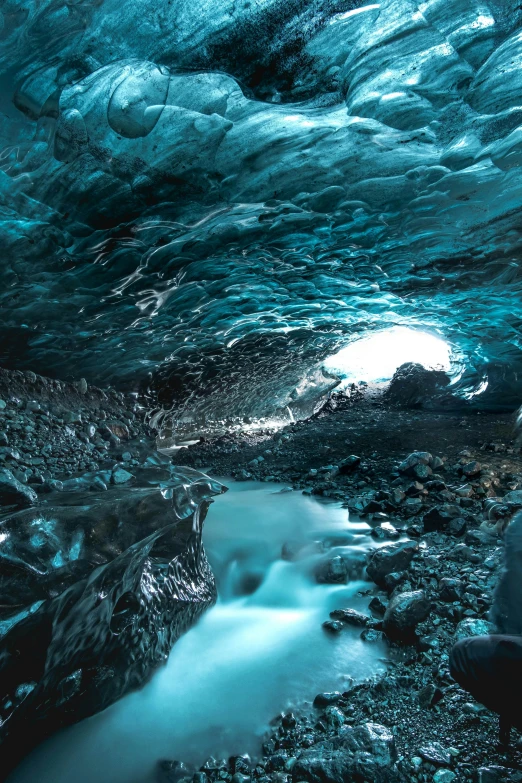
{"x": 249, "y": 657}
{"x": 215, "y": 195}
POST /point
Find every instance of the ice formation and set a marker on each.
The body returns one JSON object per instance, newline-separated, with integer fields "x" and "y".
{"x": 212, "y": 197}
{"x": 94, "y": 593}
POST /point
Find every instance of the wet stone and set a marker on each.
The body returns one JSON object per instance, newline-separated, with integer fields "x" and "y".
{"x": 473, "y": 627}
{"x": 388, "y": 559}
{"x": 435, "y": 753}
{"x": 450, "y": 589}
{"x": 326, "y": 699}
{"x": 333, "y": 626}
{"x": 378, "y": 604}
{"x": 405, "y": 611}
{"x": 350, "y": 617}
{"x": 334, "y": 716}
{"x": 444, "y": 776}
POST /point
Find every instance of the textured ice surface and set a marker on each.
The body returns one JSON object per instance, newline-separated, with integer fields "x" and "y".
{"x": 93, "y": 595}
{"x": 218, "y": 195}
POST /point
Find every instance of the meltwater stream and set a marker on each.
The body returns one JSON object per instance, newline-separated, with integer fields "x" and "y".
{"x": 260, "y": 650}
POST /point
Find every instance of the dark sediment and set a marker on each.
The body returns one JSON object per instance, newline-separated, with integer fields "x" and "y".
{"x": 448, "y": 482}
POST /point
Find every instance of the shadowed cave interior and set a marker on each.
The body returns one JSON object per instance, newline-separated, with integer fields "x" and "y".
{"x": 279, "y": 241}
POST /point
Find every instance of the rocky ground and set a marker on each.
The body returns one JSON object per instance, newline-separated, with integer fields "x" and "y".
{"x": 439, "y": 490}
{"x": 57, "y": 436}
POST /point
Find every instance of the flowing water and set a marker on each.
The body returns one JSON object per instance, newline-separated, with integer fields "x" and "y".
{"x": 260, "y": 650}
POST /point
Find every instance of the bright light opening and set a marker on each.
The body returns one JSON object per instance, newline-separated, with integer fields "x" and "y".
{"x": 375, "y": 358}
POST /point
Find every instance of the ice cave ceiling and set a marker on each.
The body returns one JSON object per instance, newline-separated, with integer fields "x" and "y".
{"x": 214, "y": 195}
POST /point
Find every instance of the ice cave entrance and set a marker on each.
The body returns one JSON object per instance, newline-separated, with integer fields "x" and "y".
{"x": 374, "y": 359}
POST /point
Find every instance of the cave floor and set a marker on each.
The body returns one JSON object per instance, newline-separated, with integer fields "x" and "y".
{"x": 364, "y": 426}
{"x": 417, "y": 698}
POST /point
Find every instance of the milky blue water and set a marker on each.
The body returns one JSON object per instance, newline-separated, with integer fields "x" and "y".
{"x": 260, "y": 650}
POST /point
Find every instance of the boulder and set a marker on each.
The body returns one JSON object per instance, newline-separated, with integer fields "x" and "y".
{"x": 326, "y": 699}
{"x": 362, "y": 753}
{"x": 439, "y": 517}
{"x": 472, "y": 469}
{"x": 405, "y": 611}
{"x": 349, "y": 464}
{"x": 333, "y": 626}
{"x": 413, "y": 460}
{"x": 413, "y": 386}
{"x": 435, "y": 753}
{"x": 389, "y": 559}
{"x": 472, "y": 626}
{"x": 339, "y": 569}
{"x": 450, "y": 589}
{"x": 350, "y": 617}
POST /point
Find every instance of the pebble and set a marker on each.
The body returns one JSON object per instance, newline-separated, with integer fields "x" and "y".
{"x": 444, "y": 776}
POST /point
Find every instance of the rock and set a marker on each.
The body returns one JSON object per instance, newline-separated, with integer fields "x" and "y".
{"x": 71, "y": 417}
{"x": 237, "y": 777}
{"x": 277, "y": 760}
{"x": 326, "y": 699}
{"x": 439, "y": 517}
{"x": 3, "y": 405}
{"x": 413, "y": 386}
{"x": 371, "y": 738}
{"x": 99, "y": 484}
{"x": 405, "y": 611}
{"x": 421, "y": 472}
{"x": 371, "y": 635}
{"x": 435, "y": 753}
{"x": 514, "y": 498}
{"x": 385, "y": 532}
{"x": 450, "y": 589}
{"x": 392, "y": 580}
{"x": 397, "y": 496}
{"x": 413, "y": 460}
{"x": 390, "y": 558}
{"x": 457, "y": 527}
{"x": 349, "y": 464}
{"x": 361, "y": 753}
{"x": 473, "y": 627}
{"x": 429, "y": 696}
{"x": 378, "y": 604}
{"x": 350, "y": 617}
{"x": 444, "y": 776}
{"x": 334, "y": 717}
{"x": 121, "y": 476}
{"x": 471, "y": 469}
{"x": 333, "y": 626}
{"x": 172, "y": 771}
{"x": 14, "y": 493}
{"x": 336, "y": 570}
